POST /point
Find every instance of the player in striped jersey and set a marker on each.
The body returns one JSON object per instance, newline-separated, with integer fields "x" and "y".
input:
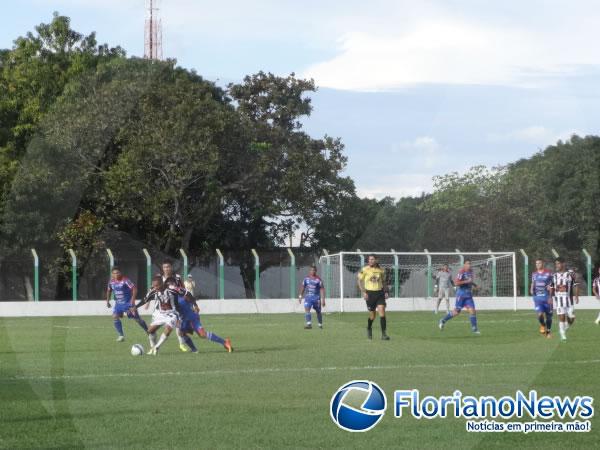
{"x": 565, "y": 295}
{"x": 165, "y": 311}
{"x": 596, "y": 291}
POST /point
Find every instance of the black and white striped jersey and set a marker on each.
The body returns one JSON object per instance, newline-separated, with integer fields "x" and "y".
{"x": 166, "y": 300}
{"x": 563, "y": 284}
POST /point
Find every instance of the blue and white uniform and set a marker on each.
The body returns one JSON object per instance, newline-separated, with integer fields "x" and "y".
{"x": 464, "y": 292}
{"x": 540, "y": 282}
{"x": 123, "y": 292}
{"x": 312, "y": 292}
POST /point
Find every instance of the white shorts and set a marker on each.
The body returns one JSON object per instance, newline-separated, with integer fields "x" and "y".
{"x": 564, "y": 306}
{"x": 166, "y": 318}
{"x": 443, "y": 293}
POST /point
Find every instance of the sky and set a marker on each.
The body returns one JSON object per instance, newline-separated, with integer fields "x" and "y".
{"x": 415, "y": 89}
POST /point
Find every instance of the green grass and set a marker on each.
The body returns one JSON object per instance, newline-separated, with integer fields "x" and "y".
{"x": 66, "y": 383}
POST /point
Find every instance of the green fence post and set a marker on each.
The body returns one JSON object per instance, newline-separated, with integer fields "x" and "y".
{"x": 73, "y": 273}
{"x": 327, "y": 274}
{"x": 396, "y": 274}
{"x": 36, "y": 276}
{"x": 185, "y": 263}
{"x": 461, "y": 258}
{"x": 429, "y": 275}
{"x": 111, "y": 264}
{"x": 292, "y": 274}
{"x": 525, "y": 272}
{"x": 494, "y": 275}
{"x": 362, "y": 258}
{"x": 588, "y": 263}
{"x": 256, "y": 274}
{"x": 221, "y": 275}
{"x": 148, "y": 269}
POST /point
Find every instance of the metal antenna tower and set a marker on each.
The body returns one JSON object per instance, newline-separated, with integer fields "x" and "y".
{"x": 153, "y": 32}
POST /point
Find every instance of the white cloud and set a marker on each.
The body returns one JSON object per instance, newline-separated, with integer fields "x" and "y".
{"x": 534, "y": 134}
{"x": 453, "y": 50}
{"x": 424, "y": 149}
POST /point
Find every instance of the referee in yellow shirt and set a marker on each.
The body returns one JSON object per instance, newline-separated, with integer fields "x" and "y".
{"x": 371, "y": 282}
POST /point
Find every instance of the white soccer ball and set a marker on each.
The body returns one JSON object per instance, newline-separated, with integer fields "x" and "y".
{"x": 137, "y": 350}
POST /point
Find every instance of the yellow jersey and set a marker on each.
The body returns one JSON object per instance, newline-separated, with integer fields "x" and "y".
{"x": 373, "y": 278}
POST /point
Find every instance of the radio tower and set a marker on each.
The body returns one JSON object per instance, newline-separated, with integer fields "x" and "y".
{"x": 152, "y": 32}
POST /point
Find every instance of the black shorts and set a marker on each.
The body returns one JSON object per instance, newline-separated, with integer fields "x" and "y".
{"x": 374, "y": 299}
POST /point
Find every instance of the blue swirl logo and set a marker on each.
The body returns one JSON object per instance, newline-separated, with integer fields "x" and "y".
{"x": 358, "y": 406}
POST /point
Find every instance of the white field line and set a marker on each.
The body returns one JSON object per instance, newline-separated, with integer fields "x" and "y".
{"x": 295, "y": 370}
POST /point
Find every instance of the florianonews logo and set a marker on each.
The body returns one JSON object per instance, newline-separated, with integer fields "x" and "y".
{"x": 358, "y": 406}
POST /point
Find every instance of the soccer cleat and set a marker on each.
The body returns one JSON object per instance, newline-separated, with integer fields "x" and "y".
{"x": 369, "y": 333}
{"x": 385, "y": 337}
{"x": 476, "y": 331}
{"x": 184, "y": 348}
{"x": 548, "y": 334}
{"x": 153, "y": 351}
{"x": 597, "y": 321}
{"x": 321, "y": 326}
{"x": 542, "y": 329}
{"x": 308, "y": 326}
{"x": 120, "y": 338}
{"x": 563, "y": 339}
{"x": 441, "y": 324}
{"x": 227, "y": 345}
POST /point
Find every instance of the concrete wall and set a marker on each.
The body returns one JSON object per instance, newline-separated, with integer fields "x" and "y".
{"x": 273, "y": 306}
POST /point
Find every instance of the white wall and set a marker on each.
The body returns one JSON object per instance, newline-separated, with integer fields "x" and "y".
{"x": 98, "y": 308}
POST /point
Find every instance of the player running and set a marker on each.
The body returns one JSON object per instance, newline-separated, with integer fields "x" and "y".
{"x": 190, "y": 323}
{"x": 371, "y": 282}
{"x": 165, "y": 311}
{"x": 464, "y": 297}
{"x": 566, "y": 294}
{"x": 313, "y": 293}
{"x": 125, "y": 292}
{"x": 596, "y": 292}
{"x": 443, "y": 279}
{"x": 541, "y": 288}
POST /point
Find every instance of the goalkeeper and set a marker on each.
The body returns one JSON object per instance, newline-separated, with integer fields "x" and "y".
{"x": 371, "y": 282}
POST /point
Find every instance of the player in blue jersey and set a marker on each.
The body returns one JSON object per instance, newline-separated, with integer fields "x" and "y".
{"x": 464, "y": 297}
{"x": 190, "y": 321}
{"x": 313, "y": 293}
{"x": 541, "y": 289}
{"x": 125, "y": 293}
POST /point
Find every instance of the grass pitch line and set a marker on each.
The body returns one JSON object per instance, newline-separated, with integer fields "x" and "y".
{"x": 292, "y": 370}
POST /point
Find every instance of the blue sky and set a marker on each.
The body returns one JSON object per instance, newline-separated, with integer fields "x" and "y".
{"x": 414, "y": 89}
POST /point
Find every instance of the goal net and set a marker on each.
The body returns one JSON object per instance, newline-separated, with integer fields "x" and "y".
{"x": 412, "y": 275}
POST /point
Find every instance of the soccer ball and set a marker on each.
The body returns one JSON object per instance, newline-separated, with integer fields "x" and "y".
{"x": 137, "y": 350}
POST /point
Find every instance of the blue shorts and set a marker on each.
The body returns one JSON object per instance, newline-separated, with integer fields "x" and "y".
{"x": 190, "y": 324}
{"x": 543, "y": 305}
{"x": 464, "y": 302}
{"x": 123, "y": 308}
{"x": 314, "y": 303}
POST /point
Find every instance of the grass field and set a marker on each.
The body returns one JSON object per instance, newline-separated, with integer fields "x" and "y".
{"x": 66, "y": 383}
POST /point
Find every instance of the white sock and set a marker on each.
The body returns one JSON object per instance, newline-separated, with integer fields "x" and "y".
{"x": 163, "y": 338}
{"x": 567, "y": 326}
{"x": 181, "y": 340}
{"x": 562, "y": 327}
{"x": 152, "y": 339}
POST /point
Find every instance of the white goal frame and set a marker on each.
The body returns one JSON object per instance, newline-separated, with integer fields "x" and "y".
{"x": 490, "y": 256}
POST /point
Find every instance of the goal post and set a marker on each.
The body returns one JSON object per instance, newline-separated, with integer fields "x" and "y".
{"x": 411, "y": 275}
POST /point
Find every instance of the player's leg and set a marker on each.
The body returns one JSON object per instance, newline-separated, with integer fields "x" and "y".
{"x": 317, "y": 308}
{"x": 447, "y": 298}
{"x": 570, "y": 316}
{"x": 472, "y": 317}
{"x": 307, "y": 314}
{"x": 181, "y": 336}
{"x": 163, "y": 337}
{"x": 455, "y": 312}
{"x": 371, "y": 307}
{"x": 541, "y": 316}
{"x": 154, "y": 326}
{"x": 117, "y": 314}
{"x": 383, "y": 321}
{"x": 437, "y": 303}
{"x": 549, "y": 314}
{"x": 210, "y": 336}
{"x": 136, "y": 316}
